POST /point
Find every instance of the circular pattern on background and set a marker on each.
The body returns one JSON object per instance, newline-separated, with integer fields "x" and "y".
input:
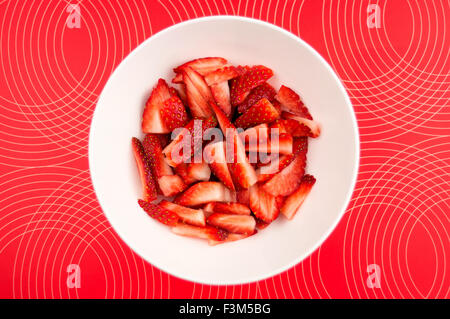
{"x": 397, "y": 76}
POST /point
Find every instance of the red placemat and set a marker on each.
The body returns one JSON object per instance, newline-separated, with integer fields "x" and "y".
{"x": 393, "y": 58}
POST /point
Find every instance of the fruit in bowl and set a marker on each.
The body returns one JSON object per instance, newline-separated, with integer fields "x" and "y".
{"x": 253, "y": 170}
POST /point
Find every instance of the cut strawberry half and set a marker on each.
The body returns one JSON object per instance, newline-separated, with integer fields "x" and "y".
{"x": 291, "y": 102}
{"x": 170, "y": 185}
{"x": 296, "y": 199}
{"x": 210, "y": 233}
{"x": 221, "y": 94}
{"x": 188, "y": 215}
{"x": 147, "y": 180}
{"x": 204, "y": 192}
{"x": 264, "y": 90}
{"x": 192, "y": 135}
{"x": 203, "y": 65}
{"x": 241, "y": 171}
{"x": 261, "y": 112}
{"x": 281, "y": 144}
{"x": 197, "y": 92}
{"x": 173, "y": 113}
{"x": 242, "y": 85}
{"x": 293, "y": 127}
{"x": 231, "y": 208}
{"x": 288, "y": 179}
{"x": 240, "y": 224}
{"x": 151, "y": 119}
{"x": 263, "y": 204}
{"x": 162, "y": 215}
{"x": 222, "y": 74}
{"x": 313, "y": 126}
{"x": 215, "y": 156}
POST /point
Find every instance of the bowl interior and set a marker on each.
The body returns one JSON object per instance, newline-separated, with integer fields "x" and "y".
{"x": 332, "y": 158}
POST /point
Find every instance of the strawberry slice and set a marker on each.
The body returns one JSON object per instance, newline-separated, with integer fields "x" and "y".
{"x": 293, "y": 127}
{"x": 210, "y": 233}
{"x": 254, "y": 134}
{"x": 263, "y": 204}
{"x": 170, "y": 185}
{"x": 220, "y": 75}
{"x": 313, "y": 126}
{"x": 260, "y": 225}
{"x": 266, "y": 172}
{"x": 182, "y": 170}
{"x": 241, "y": 171}
{"x": 208, "y": 209}
{"x": 240, "y": 224}
{"x": 221, "y": 94}
{"x": 243, "y": 197}
{"x": 173, "y": 113}
{"x": 215, "y": 156}
{"x": 199, "y": 171}
{"x": 288, "y": 179}
{"x": 261, "y": 112}
{"x": 281, "y": 144}
{"x": 162, "y": 215}
{"x": 291, "y": 102}
{"x": 188, "y": 215}
{"x": 296, "y": 199}
{"x": 241, "y": 86}
{"x": 147, "y": 180}
{"x": 204, "y": 192}
{"x": 203, "y": 65}
{"x": 193, "y": 134}
{"x": 151, "y": 119}
{"x": 231, "y": 208}
{"x": 197, "y": 92}
{"x": 262, "y": 91}
{"x": 231, "y": 237}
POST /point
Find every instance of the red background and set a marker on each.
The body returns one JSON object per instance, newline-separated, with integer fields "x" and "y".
{"x": 397, "y": 77}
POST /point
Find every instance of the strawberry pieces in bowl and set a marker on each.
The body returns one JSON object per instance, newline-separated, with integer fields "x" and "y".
{"x": 224, "y": 152}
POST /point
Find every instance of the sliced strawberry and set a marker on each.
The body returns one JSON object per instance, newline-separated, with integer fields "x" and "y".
{"x": 241, "y": 224}
{"x": 263, "y": 204}
{"x": 208, "y": 209}
{"x": 265, "y": 172}
{"x": 199, "y": 171}
{"x": 147, "y": 180}
{"x": 153, "y": 150}
{"x": 281, "y": 144}
{"x": 188, "y": 215}
{"x": 288, "y": 179}
{"x": 260, "y": 225}
{"x": 241, "y": 171}
{"x": 231, "y": 208}
{"x": 182, "y": 170}
{"x": 173, "y": 113}
{"x": 171, "y": 185}
{"x": 291, "y": 102}
{"x": 215, "y": 156}
{"x": 164, "y": 139}
{"x": 193, "y": 135}
{"x": 204, "y": 192}
{"x": 242, "y": 85}
{"x": 203, "y": 65}
{"x": 220, "y": 75}
{"x": 231, "y": 237}
{"x": 313, "y": 126}
{"x": 261, "y": 112}
{"x": 197, "y": 92}
{"x": 293, "y": 127}
{"x": 221, "y": 94}
{"x": 264, "y": 90}
{"x": 210, "y": 233}
{"x": 296, "y": 199}
{"x": 162, "y": 215}
{"x": 243, "y": 197}
{"x": 178, "y": 78}
{"x": 151, "y": 119}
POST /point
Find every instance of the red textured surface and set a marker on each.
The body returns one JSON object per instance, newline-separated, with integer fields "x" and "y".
{"x": 398, "y": 77}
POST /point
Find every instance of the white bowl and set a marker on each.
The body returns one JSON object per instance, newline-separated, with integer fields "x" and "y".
{"x": 332, "y": 158}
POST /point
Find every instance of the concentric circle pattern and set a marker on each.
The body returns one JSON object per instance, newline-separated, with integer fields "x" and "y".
{"x": 397, "y": 72}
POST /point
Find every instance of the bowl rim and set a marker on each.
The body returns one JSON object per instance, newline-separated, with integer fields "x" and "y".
{"x": 356, "y": 141}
